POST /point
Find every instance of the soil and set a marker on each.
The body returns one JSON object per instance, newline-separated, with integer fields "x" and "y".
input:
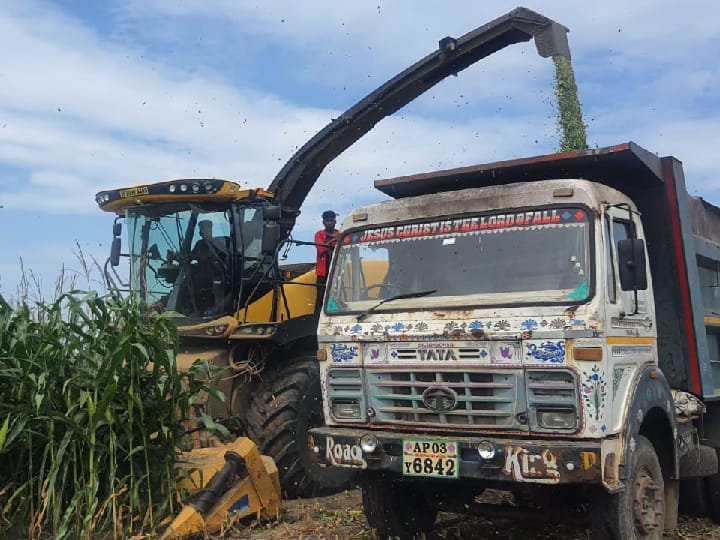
{"x": 340, "y": 517}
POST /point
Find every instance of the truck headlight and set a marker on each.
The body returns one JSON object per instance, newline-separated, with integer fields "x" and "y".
{"x": 346, "y": 408}
{"x": 557, "y": 418}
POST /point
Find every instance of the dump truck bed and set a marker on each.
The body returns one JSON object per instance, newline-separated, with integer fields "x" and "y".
{"x": 682, "y": 232}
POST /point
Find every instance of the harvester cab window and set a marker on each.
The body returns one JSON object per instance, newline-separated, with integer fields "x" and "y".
{"x": 211, "y": 239}
{"x": 251, "y": 232}
{"x": 180, "y": 259}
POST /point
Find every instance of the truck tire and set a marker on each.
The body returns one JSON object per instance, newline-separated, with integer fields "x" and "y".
{"x": 637, "y": 512}
{"x": 396, "y": 509}
{"x": 284, "y": 406}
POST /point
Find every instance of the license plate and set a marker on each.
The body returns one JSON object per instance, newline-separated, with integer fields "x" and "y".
{"x": 430, "y": 458}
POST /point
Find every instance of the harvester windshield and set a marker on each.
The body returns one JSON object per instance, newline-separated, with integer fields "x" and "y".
{"x": 193, "y": 258}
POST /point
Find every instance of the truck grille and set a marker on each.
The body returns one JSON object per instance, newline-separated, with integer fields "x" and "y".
{"x": 345, "y": 383}
{"x": 484, "y": 399}
{"x": 552, "y": 391}
{"x": 551, "y": 388}
{"x": 344, "y": 388}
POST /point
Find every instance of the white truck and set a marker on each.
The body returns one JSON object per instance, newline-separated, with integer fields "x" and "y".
{"x": 547, "y": 326}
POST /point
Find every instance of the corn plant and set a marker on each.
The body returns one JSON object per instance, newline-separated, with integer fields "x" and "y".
{"x": 91, "y": 413}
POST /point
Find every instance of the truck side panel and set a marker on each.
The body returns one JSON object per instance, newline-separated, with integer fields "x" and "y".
{"x": 700, "y": 380}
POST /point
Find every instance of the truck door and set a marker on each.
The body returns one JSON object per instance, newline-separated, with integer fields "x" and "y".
{"x": 624, "y": 317}
{"x": 630, "y": 336}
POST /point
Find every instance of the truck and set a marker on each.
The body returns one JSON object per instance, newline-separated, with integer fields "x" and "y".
{"x": 548, "y": 326}
{"x": 235, "y": 306}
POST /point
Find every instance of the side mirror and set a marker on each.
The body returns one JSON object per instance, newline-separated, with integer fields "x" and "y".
{"x": 270, "y": 237}
{"x": 115, "y": 252}
{"x": 117, "y": 228}
{"x": 631, "y": 264}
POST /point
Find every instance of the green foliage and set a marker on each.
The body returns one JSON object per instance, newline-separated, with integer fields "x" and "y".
{"x": 569, "y": 114}
{"x": 91, "y": 409}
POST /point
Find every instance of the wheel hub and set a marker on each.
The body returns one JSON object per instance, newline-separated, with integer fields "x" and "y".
{"x": 647, "y": 504}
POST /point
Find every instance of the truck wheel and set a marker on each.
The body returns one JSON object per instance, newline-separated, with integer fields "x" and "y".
{"x": 396, "y": 509}
{"x": 284, "y": 406}
{"x": 637, "y": 512}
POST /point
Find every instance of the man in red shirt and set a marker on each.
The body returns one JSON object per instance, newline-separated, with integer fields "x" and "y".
{"x": 325, "y": 242}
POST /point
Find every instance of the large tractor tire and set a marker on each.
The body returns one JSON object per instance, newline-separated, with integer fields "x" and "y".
{"x": 396, "y": 509}
{"x": 285, "y": 405}
{"x": 637, "y": 512}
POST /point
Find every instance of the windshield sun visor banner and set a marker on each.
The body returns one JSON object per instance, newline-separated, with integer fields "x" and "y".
{"x": 530, "y": 218}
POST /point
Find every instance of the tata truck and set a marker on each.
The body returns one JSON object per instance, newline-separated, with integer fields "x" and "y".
{"x": 547, "y": 326}
{"x": 236, "y": 307}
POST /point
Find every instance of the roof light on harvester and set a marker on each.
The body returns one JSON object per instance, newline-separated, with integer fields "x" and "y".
{"x": 172, "y": 188}
{"x": 183, "y": 187}
{"x": 196, "y": 188}
{"x": 563, "y": 192}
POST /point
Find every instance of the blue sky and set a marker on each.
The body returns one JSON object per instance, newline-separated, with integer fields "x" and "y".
{"x": 97, "y": 95}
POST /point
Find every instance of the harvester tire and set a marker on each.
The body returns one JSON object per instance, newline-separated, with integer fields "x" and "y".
{"x": 285, "y": 405}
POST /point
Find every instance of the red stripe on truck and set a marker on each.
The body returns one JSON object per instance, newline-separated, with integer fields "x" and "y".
{"x": 669, "y": 178}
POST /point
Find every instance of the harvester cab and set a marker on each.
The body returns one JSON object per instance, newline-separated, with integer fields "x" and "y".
{"x": 201, "y": 249}
{"x": 234, "y": 305}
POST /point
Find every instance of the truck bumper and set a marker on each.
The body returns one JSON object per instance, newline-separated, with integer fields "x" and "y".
{"x": 476, "y": 458}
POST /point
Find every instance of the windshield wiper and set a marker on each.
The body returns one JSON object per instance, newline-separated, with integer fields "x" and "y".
{"x": 416, "y": 294}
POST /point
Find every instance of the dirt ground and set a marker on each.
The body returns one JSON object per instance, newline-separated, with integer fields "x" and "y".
{"x": 340, "y": 517}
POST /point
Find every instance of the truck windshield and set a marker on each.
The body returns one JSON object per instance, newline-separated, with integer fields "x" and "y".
{"x": 537, "y": 256}
{"x": 189, "y": 259}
